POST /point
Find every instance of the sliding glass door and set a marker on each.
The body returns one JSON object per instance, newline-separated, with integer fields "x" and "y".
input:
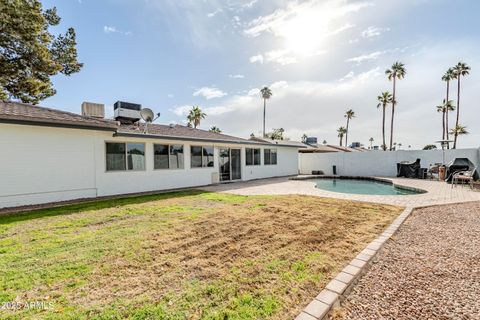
{"x": 230, "y": 164}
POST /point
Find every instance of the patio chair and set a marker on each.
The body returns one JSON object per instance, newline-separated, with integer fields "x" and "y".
{"x": 464, "y": 177}
{"x": 433, "y": 171}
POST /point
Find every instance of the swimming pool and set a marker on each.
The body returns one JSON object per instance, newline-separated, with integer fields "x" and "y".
{"x": 370, "y": 187}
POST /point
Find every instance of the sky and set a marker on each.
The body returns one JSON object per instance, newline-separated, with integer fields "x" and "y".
{"x": 319, "y": 57}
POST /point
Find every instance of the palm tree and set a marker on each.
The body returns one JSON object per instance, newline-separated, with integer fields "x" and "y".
{"x": 195, "y": 116}
{"x": 383, "y": 100}
{"x": 349, "y": 115}
{"x": 399, "y": 145}
{"x": 341, "y": 132}
{"x": 447, "y": 77}
{"x": 266, "y": 94}
{"x": 444, "y": 108}
{"x": 458, "y": 131}
{"x": 460, "y": 70}
{"x": 371, "y": 142}
{"x": 397, "y": 71}
{"x": 215, "y": 129}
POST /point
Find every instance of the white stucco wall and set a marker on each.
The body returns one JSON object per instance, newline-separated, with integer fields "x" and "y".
{"x": 40, "y": 164}
{"x": 377, "y": 163}
{"x": 45, "y": 164}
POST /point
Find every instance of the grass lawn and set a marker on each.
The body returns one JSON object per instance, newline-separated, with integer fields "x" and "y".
{"x": 183, "y": 255}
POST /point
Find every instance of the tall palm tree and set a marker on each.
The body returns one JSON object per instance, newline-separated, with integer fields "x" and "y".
{"x": 341, "y": 132}
{"x": 460, "y": 70}
{"x": 458, "y": 130}
{"x": 350, "y": 114}
{"x": 447, "y": 77}
{"x": 215, "y": 129}
{"x": 195, "y": 116}
{"x": 384, "y": 99}
{"x": 371, "y": 142}
{"x": 266, "y": 94}
{"x": 444, "y": 108}
{"x": 397, "y": 71}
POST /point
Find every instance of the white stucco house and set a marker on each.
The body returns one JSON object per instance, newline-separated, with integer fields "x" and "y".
{"x": 50, "y": 155}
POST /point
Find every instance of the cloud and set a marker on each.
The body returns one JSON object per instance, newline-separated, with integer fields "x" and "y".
{"x": 236, "y": 76}
{"x": 209, "y": 93}
{"x": 170, "y": 95}
{"x": 373, "y": 32}
{"x": 257, "y": 58}
{"x": 113, "y": 29}
{"x": 109, "y": 29}
{"x": 316, "y": 15}
{"x": 367, "y": 57}
{"x": 214, "y": 13}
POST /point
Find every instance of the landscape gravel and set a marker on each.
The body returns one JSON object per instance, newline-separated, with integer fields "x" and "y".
{"x": 430, "y": 269}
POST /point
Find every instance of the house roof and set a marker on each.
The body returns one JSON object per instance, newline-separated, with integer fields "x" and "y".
{"x": 284, "y": 143}
{"x": 15, "y": 112}
{"x": 319, "y": 148}
{"x": 22, "y": 113}
{"x": 176, "y": 132}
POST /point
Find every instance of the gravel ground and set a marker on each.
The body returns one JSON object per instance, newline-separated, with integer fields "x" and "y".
{"x": 429, "y": 270}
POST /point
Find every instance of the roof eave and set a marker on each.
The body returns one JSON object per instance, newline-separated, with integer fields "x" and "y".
{"x": 45, "y": 123}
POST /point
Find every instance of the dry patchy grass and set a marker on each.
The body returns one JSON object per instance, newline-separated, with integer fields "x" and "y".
{"x": 189, "y": 255}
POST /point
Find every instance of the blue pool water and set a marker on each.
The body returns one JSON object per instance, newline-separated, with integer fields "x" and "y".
{"x": 361, "y": 187}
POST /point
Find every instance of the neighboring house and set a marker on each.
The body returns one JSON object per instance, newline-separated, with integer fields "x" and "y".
{"x": 50, "y": 155}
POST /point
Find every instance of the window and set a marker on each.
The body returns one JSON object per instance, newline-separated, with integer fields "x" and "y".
{"x": 167, "y": 156}
{"x": 252, "y": 157}
{"x": 125, "y": 156}
{"x": 201, "y": 156}
{"x": 270, "y": 156}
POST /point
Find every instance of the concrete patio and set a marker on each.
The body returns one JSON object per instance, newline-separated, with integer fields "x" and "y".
{"x": 437, "y": 192}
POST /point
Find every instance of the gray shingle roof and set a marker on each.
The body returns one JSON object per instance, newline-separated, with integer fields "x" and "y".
{"x": 178, "y": 131}
{"x": 26, "y": 113}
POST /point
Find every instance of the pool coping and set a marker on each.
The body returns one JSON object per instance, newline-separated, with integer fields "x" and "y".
{"x": 364, "y": 178}
{"x": 336, "y": 290}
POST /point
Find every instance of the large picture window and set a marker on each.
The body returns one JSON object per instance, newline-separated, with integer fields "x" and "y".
{"x": 201, "y": 156}
{"x": 125, "y": 156}
{"x": 167, "y": 156}
{"x": 269, "y": 156}
{"x": 252, "y": 157}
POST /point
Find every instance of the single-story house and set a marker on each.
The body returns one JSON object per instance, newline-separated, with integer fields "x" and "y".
{"x": 50, "y": 155}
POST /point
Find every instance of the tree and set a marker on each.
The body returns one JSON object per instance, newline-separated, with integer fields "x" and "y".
{"x": 195, "y": 116}
{"x": 341, "y": 132}
{"x": 29, "y": 54}
{"x": 276, "y": 134}
{"x": 371, "y": 142}
{"x": 215, "y": 129}
{"x": 444, "y": 108}
{"x": 324, "y": 142}
{"x": 458, "y": 131}
{"x": 350, "y": 114}
{"x": 460, "y": 70}
{"x": 384, "y": 99}
{"x": 399, "y": 145}
{"x": 430, "y": 147}
{"x": 266, "y": 94}
{"x": 397, "y": 71}
{"x": 447, "y": 77}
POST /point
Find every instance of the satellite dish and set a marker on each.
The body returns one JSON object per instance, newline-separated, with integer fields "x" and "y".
{"x": 147, "y": 114}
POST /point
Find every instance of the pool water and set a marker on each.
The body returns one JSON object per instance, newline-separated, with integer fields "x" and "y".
{"x": 369, "y": 187}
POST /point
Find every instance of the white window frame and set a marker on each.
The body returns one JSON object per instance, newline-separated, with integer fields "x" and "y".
{"x": 126, "y": 156}
{"x": 169, "y": 154}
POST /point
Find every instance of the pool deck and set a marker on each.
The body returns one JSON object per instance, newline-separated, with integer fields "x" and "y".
{"x": 437, "y": 192}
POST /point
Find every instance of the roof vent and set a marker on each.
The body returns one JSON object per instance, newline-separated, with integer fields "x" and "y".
{"x": 90, "y": 109}
{"x": 127, "y": 112}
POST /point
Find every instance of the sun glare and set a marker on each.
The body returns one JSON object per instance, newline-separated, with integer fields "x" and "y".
{"x": 304, "y": 34}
